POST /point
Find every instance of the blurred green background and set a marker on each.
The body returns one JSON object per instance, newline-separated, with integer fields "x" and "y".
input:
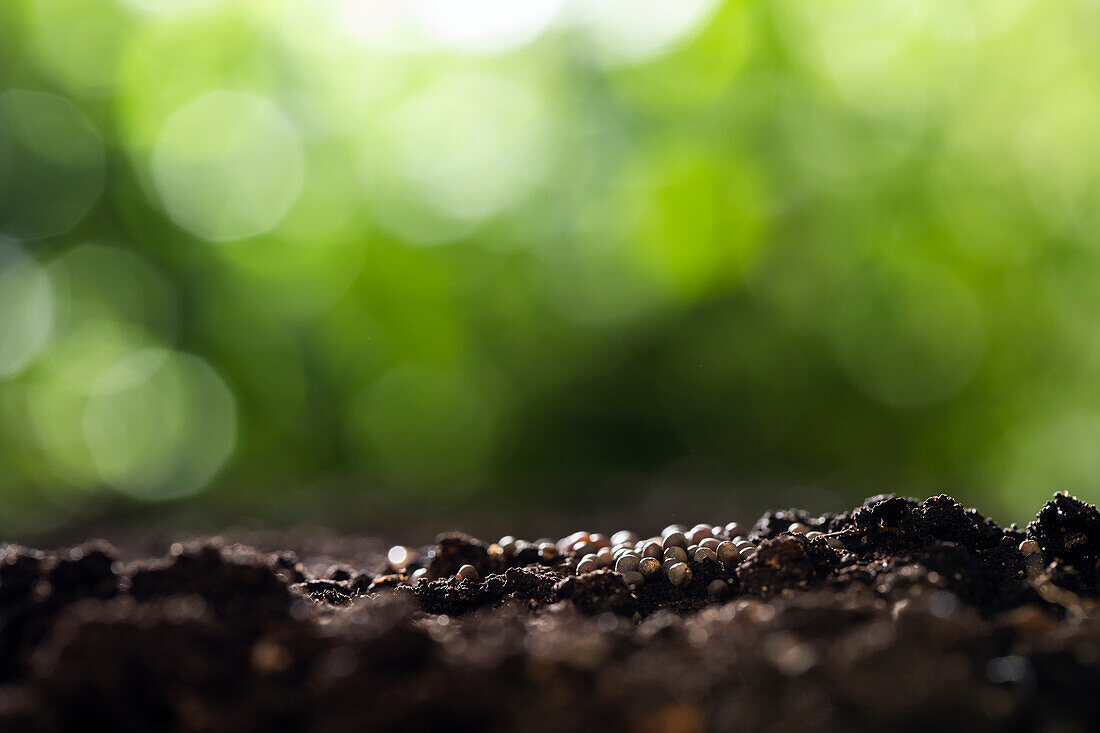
{"x": 336, "y": 259}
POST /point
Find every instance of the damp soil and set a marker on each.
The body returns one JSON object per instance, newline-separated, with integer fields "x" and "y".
{"x": 905, "y": 615}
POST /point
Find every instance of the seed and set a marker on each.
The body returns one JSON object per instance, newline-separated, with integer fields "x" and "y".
{"x": 711, "y": 542}
{"x": 672, "y": 528}
{"x": 727, "y": 553}
{"x": 699, "y": 533}
{"x": 668, "y": 564}
{"x": 627, "y": 564}
{"x": 599, "y": 540}
{"x": 733, "y": 529}
{"x": 418, "y": 575}
{"x": 679, "y": 574}
{"x": 652, "y": 549}
{"x": 587, "y": 565}
{"x": 835, "y": 543}
{"x": 649, "y": 566}
{"x": 1029, "y": 547}
{"x": 605, "y": 558}
{"x": 508, "y": 544}
{"x": 675, "y": 539}
{"x": 742, "y": 544}
{"x": 678, "y": 554}
{"x": 813, "y": 535}
{"x": 548, "y": 551}
{"x": 704, "y": 553}
{"x": 583, "y": 547}
{"x": 799, "y": 528}
{"x": 467, "y": 572}
{"x": 691, "y": 550}
{"x": 746, "y": 552}
{"x": 717, "y": 589}
{"x": 624, "y": 537}
{"x": 633, "y": 578}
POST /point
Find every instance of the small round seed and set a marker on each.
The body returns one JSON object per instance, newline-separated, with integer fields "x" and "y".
{"x": 717, "y": 589}
{"x": 746, "y": 552}
{"x": 678, "y": 554}
{"x": 835, "y": 543}
{"x": 627, "y": 564}
{"x": 668, "y": 563}
{"x": 733, "y": 529}
{"x": 605, "y": 558}
{"x": 711, "y": 542}
{"x": 699, "y": 533}
{"x": 633, "y": 578}
{"x": 727, "y": 553}
{"x": 675, "y": 539}
{"x": 673, "y": 528}
{"x": 691, "y": 550}
{"x": 1029, "y": 547}
{"x": 418, "y": 575}
{"x": 679, "y": 574}
{"x": 467, "y": 572}
{"x": 599, "y": 540}
{"x": 813, "y": 535}
{"x": 548, "y": 551}
{"x": 624, "y": 537}
{"x": 508, "y": 544}
{"x": 704, "y": 553}
{"x": 652, "y": 549}
{"x": 569, "y": 540}
{"x": 587, "y": 565}
{"x": 741, "y": 544}
{"x": 649, "y": 566}
{"x": 583, "y": 547}
{"x": 799, "y": 528}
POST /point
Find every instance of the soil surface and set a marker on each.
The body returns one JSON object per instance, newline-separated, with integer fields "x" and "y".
{"x": 902, "y": 615}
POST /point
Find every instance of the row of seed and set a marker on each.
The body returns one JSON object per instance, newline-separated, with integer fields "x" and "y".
{"x": 638, "y": 560}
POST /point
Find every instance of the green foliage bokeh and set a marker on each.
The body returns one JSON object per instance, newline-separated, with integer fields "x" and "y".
{"x": 397, "y": 251}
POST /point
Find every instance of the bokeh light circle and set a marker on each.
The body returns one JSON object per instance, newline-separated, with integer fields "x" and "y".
{"x": 160, "y": 424}
{"x": 631, "y": 31}
{"x": 26, "y": 309}
{"x": 484, "y": 25}
{"x": 228, "y": 165}
{"x": 459, "y": 151}
{"x": 52, "y": 164}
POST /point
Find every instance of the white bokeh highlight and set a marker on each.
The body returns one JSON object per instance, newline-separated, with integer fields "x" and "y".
{"x": 228, "y": 165}
{"x": 160, "y": 424}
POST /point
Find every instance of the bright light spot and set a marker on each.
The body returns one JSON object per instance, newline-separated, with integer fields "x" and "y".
{"x": 51, "y": 165}
{"x": 485, "y": 25}
{"x": 462, "y": 150}
{"x": 26, "y": 309}
{"x": 228, "y": 166}
{"x": 635, "y": 30}
{"x": 160, "y": 424}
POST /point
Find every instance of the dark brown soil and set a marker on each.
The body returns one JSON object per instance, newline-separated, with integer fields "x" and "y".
{"x": 929, "y": 617}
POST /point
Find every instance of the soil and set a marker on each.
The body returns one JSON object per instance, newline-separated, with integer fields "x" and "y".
{"x": 903, "y": 616}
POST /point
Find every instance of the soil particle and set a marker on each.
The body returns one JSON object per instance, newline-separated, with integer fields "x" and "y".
{"x": 903, "y": 615}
